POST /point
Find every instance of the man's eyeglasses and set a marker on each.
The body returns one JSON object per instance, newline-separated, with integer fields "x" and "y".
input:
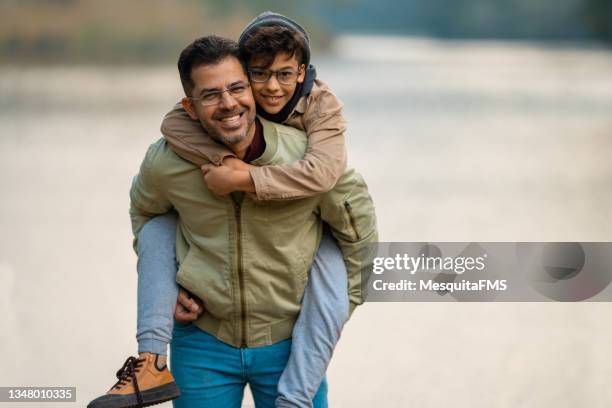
{"x": 237, "y": 90}
{"x": 284, "y": 76}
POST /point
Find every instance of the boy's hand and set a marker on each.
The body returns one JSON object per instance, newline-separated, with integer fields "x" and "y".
{"x": 187, "y": 309}
{"x": 222, "y": 180}
{"x": 235, "y": 163}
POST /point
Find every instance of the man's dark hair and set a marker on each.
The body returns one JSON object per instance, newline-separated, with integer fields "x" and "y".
{"x": 268, "y": 41}
{"x": 208, "y": 50}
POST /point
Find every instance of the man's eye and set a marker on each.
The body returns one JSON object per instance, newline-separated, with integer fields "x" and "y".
{"x": 210, "y": 96}
{"x": 238, "y": 89}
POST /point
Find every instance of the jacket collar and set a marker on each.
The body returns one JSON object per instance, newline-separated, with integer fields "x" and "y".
{"x": 270, "y": 135}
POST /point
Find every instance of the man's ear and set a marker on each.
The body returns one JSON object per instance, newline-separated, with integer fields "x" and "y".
{"x": 302, "y": 74}
{"x": 189, "y": 108}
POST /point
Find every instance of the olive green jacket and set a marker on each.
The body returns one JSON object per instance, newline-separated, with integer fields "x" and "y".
{"x": 248, "y": 260}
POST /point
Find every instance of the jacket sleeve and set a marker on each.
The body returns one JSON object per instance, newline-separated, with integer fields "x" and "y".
{"x": 349, "y": 211}
{"x": 146, "y": 198}
{"x": 324, "y": 161}
{"x": 187, "y": 138}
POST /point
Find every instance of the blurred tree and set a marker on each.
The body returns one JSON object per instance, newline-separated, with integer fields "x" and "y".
{"x": 521, "y": 19}
{"x": 598, "y": 17}
{"x": 139, "y": 30}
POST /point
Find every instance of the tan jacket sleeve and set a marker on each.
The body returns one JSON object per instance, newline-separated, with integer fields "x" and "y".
{"x": 349, "y": 211}
{"x": 320, "y": 115}
{"x": 188, "y": 139}
{"x": 146, "y": 198}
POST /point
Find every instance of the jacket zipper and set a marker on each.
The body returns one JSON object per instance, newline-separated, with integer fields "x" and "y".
{"x": 349, "y": 210}
{"x": 243, "y": 342}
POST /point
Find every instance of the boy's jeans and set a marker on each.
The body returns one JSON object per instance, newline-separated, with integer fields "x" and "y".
{"x": 315, "y": 334}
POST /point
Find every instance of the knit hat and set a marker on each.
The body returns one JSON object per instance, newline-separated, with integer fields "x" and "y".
{"x": 269, "y": 18}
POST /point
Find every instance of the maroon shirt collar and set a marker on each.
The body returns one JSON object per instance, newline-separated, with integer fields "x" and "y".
{"x": 258, "y": 145}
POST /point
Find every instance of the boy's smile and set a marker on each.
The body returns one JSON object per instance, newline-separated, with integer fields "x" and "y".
{"x": 271, "y": 95}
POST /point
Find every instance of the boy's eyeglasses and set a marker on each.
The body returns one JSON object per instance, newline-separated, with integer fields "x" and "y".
{"x": 215, "y": 97}
{"x": 284, "y": 76}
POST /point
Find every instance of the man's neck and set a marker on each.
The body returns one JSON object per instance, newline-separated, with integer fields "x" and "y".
{"x": 253, "y": 146}
{"x": 258, "y": 144}
{"x": 240, "y": 149}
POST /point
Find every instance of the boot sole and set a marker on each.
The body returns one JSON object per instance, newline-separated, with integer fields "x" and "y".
{"x": 150, "y": 397}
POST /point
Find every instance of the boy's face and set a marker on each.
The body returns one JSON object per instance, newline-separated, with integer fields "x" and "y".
{"x": 272, "y": 95}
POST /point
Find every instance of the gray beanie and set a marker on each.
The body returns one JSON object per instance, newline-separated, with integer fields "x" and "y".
{"x": 269, "y": 18}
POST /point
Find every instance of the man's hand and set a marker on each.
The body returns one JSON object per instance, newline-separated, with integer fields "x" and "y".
{"x": 223, "y": 180}
{"x": 187, "y": 309}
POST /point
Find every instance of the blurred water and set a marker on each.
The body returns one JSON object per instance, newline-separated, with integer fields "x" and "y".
{"x": 457, "y": 140}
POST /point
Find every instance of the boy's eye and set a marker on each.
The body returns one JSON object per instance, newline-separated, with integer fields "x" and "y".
{"x": 259, "y": 74}
{"x": 286, "y": 75}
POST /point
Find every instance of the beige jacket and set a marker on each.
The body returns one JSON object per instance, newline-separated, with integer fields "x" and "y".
{"x": 319, "y": 115}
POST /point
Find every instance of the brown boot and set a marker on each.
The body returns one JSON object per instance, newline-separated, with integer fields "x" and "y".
{"x": 140, "y": 384}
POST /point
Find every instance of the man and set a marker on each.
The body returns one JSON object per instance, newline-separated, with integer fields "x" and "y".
{"x": 247, "y": 260}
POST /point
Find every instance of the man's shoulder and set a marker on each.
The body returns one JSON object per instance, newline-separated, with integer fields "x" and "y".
{"x": 347, "y": 183}
{"x": 285, "y": 130}
{"x": 284, "y": 144}
{"x": 157, "y": 148}
{"x": 160, "y": 156}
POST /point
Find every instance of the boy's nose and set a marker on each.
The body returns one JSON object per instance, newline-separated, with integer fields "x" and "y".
{"x": 272, "y": 83}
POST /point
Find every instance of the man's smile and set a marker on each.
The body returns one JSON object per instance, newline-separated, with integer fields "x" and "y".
{"x": 231, "y": 120}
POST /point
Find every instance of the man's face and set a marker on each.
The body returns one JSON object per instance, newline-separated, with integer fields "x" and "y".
{"x": 232, "y": 119}
{"x": 272, "y": 95}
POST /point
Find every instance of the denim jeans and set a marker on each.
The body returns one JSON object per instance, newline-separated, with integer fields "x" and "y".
{"x": 315, "y": 334}
{"x": 157, "y": 288}
{"x": 213, "y": 374}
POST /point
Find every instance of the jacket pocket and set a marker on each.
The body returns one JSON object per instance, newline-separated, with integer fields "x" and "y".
{"x": 300, "y": 276}
{"x": 207, "y": 277}
{"x": 348, "y": 208}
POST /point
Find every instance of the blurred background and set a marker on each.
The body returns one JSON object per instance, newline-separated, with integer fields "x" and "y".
{"x": 471, "y": 120}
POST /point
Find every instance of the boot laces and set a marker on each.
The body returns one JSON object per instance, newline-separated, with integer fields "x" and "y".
{"x": 127, "y": 374}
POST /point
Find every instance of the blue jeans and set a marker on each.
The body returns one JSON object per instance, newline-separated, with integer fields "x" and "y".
{"x": 315, "y": 334}
{"x": 213, "y": 374}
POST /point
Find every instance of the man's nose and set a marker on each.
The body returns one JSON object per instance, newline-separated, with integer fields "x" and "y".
{"x": 227, "y": 101}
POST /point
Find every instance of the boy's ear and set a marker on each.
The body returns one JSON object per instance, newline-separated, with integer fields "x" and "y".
{"x": 302, "y": 75}
{"x": 189, "y": 108}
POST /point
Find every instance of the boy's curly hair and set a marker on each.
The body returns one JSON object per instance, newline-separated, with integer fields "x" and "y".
{"x": 268, "y": 41}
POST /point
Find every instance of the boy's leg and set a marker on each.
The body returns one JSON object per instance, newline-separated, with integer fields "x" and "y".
{"x": 146, "y": 380}
{"x": 157, "y": 288}
{"x": 325, "y": 309}
{"x": 264, "y": 366}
